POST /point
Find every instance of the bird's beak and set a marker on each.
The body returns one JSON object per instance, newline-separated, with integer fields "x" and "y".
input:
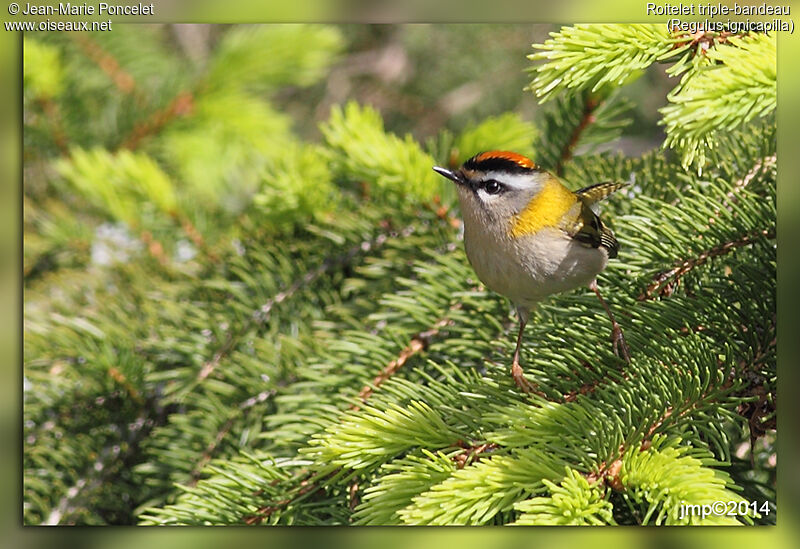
{"x": 452, "y": 176}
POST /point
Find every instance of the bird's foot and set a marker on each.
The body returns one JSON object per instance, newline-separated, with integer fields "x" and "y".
{"x": 619, "y": 345}
{"x": 519, "y": 378}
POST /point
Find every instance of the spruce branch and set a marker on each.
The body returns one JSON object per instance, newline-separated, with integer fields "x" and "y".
{"x": 181, "y": 105}
{"x": 728, "y": 80}
{"x": 109, "y": 65}
{"x": 417, "y": 344}
{"x": 739, "y": 86}
{"x": 363, "y": 440}
{"x": 365, "y": 152}
{"x": 594, "y": 56}
{"x": 340, "y": 362}
{"x": 587, "y": 118}
{"x": 762, "y": 167}
{"x": 481, "y": 491}
{"x": 665, "y": 477}
{"x": 403, "y": 479}
{"x": 572, "y": 502}
{"x": 306, "y": 487}
{"x": 53, "y": 114}
{"x": 575, "y": 123}
{"x": 116, "y": 182}
{"x": 666, "y": 282}
{"x": 242, "y": 410}
{"x": 260, "y": 315}
{"x": 108, "y": 462}
{"x": 609, "y": 471}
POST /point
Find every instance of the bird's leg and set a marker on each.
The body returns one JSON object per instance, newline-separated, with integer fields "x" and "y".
{"x": 516, "y": 370}
{"x": 617, "y": 338}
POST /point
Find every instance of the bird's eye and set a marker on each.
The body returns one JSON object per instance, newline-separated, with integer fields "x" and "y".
{"x": 492, "y": 187}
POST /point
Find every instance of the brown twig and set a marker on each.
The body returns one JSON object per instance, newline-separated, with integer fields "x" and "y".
{"x": 609, "y": 472}
{"x": 669, "y": 287}
{"x": 108, "y": 64}
{"x": 154, "y": 247}
{"x": 353, "y": 493}
{"x": 754, "y": 412}
{"x": 194, "y": 235}
{"x": 307, "y": 486}
{"x": 763, "y": 164}
{"x": 760, "y": 414}
{"x": 120, "y": 378}
{"x": 53, "y": 113}
{"x": 417, "y": 344}
{"x": 208, "y": 453}
{"x": 586, "y": 118}
{"x": 472, "y": 453}
{"x": 585, "y": 389}
{"x": 442, "y": 211}
{"x": 181, "y": 105}
{"x": 701, "y": 39}
{"x": 666, "y": 282}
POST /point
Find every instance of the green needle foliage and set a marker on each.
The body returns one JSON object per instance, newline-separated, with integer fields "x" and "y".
{"x": 574, "y": 502}
{"x": 226, "y": 323}
{"x": 118, "y": 183}
{"x": 594, "y": 56}
{"x": 737, "y": 86}
{"x": 727, "y": 80}
{"x": 362, "y": 150}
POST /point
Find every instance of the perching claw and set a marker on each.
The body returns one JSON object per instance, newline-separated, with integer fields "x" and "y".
{"x": 618, "y": 343}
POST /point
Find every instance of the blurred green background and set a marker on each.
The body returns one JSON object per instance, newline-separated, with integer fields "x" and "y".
{"x": 400, "y": 72}
{"x": 214, "y": 106}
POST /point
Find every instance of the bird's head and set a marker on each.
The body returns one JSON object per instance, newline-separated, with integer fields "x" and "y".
{"x": 496, "y": 185}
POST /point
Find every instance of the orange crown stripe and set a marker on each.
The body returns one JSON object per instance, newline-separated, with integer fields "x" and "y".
{"x": 516, "y": 158}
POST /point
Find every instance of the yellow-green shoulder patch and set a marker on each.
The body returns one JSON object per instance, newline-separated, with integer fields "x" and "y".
{"x": 545, "y": 210}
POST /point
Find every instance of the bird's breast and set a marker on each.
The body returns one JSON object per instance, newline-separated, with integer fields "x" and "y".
{"x": 528, "y": 268}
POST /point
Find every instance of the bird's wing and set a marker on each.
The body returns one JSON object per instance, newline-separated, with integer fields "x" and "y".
{"x": 585, "y": 226}
{"x": 598, "y": 191}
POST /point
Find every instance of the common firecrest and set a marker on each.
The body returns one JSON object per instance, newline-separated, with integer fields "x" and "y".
{"x": 527, "y": 236}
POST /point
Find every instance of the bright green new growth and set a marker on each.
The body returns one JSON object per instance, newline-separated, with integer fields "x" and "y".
{"x": 221, "y": 151}
{"x": 727, "y": 80}
{"x": 594, "y": 56}
{"x": 661, "y": 480}
{"x": 119, "y": 182}
{"x": 506, "y": 132}
{"x": 42, "y": 72}
{"x": 362, "y": 149}
{"x": 327, "y": 356}
{"x": 360, "y": 441}
{"x": 738, "y": 85}
{"x": 406, "y": 478}
{"x": 572, "y": 502}
{"x": 296, "y": 185}
{"x": 268, "y": 57}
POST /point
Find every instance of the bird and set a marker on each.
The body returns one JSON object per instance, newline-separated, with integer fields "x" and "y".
{"x": 527, "y": 236}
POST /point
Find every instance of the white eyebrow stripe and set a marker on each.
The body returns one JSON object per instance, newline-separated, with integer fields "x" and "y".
{"x": 517, "y": 181}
